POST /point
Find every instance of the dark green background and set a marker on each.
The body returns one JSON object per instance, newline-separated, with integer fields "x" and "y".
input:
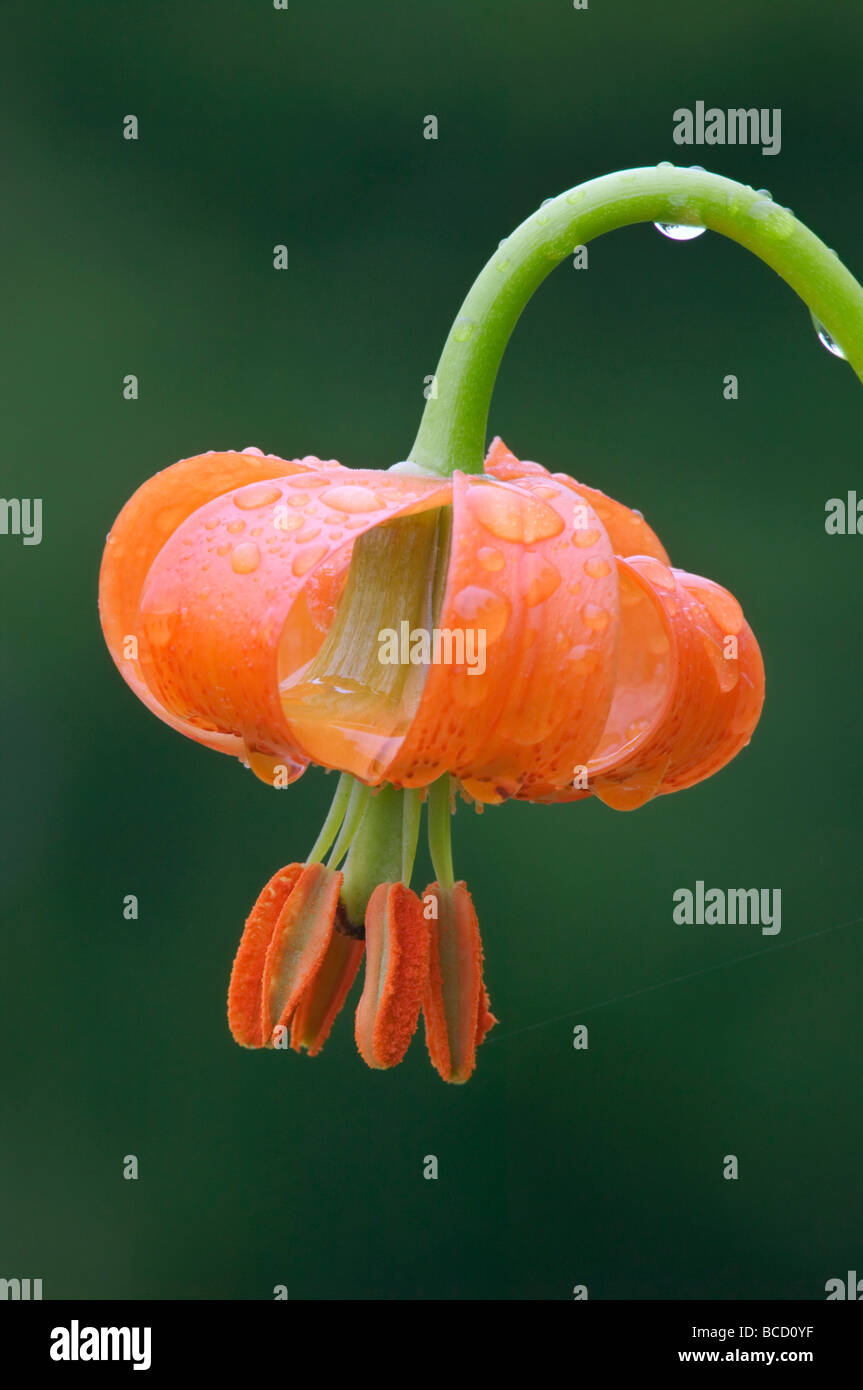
{"x": 557, "y": 1167}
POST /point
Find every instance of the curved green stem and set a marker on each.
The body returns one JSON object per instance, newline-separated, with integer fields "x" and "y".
{"x": 411, "y": 816}
{"x": 335, "y": 816}
{"x": 356, "y": 809}
{"x": 453, "y": 427}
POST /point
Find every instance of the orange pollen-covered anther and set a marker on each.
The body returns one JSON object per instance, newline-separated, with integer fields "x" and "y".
{"x": 286, "y": 962}
{"x": 456, "y": 1003}
{"x": 397, "y": 962}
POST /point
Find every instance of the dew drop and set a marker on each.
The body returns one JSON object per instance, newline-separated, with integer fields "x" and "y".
{"x": 489, "y": 558}
{"x": 502, "y": 265}
{"x": 576, "y": 195}
{"x": 235, "y": 526}
{"x": 597, "y": 568}
{"x": 161, "y": 627}
{"x": 258, "y": 495}
{"x": 352, "y": 499}
{"x": 776, "y": 221}
{"x": 298, "y": 499}
{"x": 304, "y": 561}
{"x": 727, "y": 671}
{"x": 584, "y": 539}
{"x": 462, "y": 330}
{"x": 514, "y": 516}
{"x": 543, "y": 579}
{"x": 825, "y": 339}
{"x": 677, "y": 231}
{"x": 482, "y": 608}
{"x": 290, "y": 522}
{"x": 665, "y": 164}
{"x": 310, "y": 531}
{"x": 722, "y": 607}
{"x": 212, "y": 523}
{"x": 253, "y": 449}
{"x": 308, "y": 480}
{"x": 245, "y": 557}
{"x": 764, "y": 192}
{"x": 597, "y": 619}
{"x": 222, "y": 549}
{"x": 656, "y": 573}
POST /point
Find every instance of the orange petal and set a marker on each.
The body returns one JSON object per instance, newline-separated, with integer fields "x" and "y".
{"x": 238, "y": 601}
{"x": 146, "y": 522}
{"x": 542, "y": 588}
{"x": 298, "y": 946}
{"x": 244, "y": 993}
{"x": 692, "y": 683}
{"x": 397, "y": 941}
{"x": 316, "y": 1011}
{"x": 455, "y": 1005}
{"x": 627, "y": 530}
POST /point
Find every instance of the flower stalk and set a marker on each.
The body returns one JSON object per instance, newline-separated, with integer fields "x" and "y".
{"x": 454, "y": 425}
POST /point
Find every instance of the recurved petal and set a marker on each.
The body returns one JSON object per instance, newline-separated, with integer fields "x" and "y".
{"x": 147, "y": 521}
{"x": 240, "y": 598}
{"x": 690, "y": 688}
{"x": 532, "y": 581}
{"x": 456, "y": 1004}
{"x": 397, "y": 962}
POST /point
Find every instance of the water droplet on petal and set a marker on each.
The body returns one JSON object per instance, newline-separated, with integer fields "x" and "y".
{"x": 576, "y": 195}
{"x": 542, "y": 580}
{"x": 597, "y": 619}
{"x": 245, "y": 557}
{"x": 352, "y": 499}
{"x": 212, "y": 523}
{"x": 482, "y": 608}
{"x": 489, "y": 558}
{"x": 677, "y": 231}
{"x": 258, "y": 495}
{"x": 308, "y": 480}
{"x": 253, "y": 449}
{"x": 764, "y": 192}
{"x": 727, "y": 671}
{"x": 665, "y": 164}
{"x": 826, "y": 340}
{"x": 584, "y": 539}
{"x": 514, "y": 516}
{"x": 222, "y": 549}
{"x": 597, "y": 568}
{"x": 722, "y": 607}
{"x": 656, "y": 573}
{"x": 304, "y": 561}
{"x": 235, "y": 526}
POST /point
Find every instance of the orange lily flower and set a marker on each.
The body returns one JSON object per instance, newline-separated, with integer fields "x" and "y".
{"x": 243, "y": 598}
